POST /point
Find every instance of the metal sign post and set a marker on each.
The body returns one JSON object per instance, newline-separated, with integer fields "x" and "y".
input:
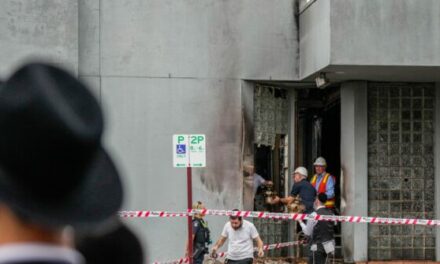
{"x": 189, "y": 151}
{"x": 189, "y": 199}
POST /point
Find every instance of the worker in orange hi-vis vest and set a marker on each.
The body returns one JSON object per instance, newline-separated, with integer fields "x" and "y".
{"x": 324, "y": 182}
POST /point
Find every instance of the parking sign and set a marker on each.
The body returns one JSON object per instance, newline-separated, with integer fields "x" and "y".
{"x": 189, "y": 150}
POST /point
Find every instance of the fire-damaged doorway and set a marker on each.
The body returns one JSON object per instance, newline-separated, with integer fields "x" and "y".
{"x": 319, "y": 131}
{"x": 290, "y": 127}
{"x": 268, "y": 162}
{"x": 318, "y": 134}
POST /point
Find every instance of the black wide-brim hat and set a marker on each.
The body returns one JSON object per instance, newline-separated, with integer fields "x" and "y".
{"x": 54, "y": 170}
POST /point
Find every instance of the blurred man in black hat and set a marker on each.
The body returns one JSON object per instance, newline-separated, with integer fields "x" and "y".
{"x": 54, "y": 171}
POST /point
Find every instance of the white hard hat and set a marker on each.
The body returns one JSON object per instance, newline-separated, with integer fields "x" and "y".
{"x": 320, "y": 161}
{"x": 302, "y": 171}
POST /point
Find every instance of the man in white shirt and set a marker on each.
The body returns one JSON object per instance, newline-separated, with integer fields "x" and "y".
{"x": 240, "y": 234}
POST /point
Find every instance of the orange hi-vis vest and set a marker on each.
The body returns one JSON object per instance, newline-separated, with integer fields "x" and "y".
{"x": 322, "y": 188}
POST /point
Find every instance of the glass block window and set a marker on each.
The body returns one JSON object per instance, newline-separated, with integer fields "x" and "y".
{"x": 270, "y": 114}
{"x": 271, "y": 232}
{"x": 401, "y": 169}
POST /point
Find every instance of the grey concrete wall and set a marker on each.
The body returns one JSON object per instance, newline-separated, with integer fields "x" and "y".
{"x": 392, "y": 32}
{"x": 89, "y": 55}
{"x": 164, "y": 67}
{"x": 248, "y": 39}
{"x": 314, "y": 38}
{"x": 354, "y": 168}
{"x": 143, "y": 114}
{"x": 38, "y": 29}
{"x": 89, "y": 38}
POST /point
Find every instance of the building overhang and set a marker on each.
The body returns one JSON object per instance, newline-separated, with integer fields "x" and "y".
{"x": 340, "y": 73}
{"x": 369, "y": 40}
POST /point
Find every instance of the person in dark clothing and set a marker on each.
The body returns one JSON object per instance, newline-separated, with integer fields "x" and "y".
{"x": 321, "y": 233}
{"x": 54, "y": 169}
{"x": 119, "y": 245}
{"x": 301, "y": 187}
{"x": 201, "y": 236}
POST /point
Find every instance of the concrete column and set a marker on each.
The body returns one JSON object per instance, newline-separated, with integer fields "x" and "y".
{"x": 437, "y": 168}
{"x": 354, "y": 169}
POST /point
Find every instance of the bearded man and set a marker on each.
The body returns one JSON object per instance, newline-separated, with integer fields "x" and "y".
{"x": 240, "y": 234}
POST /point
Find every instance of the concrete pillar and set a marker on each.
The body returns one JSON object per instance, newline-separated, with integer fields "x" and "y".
{"x": 354, "y": 169}
{"x": 437, "y": 167}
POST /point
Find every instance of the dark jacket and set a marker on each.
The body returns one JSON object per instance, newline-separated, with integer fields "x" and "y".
{"x": 307, "y": 193}
{"x": 201, "y": 233}
{"x": 323, "y": 230}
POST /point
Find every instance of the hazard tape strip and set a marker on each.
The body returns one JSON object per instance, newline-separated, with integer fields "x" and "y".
{"x": 223, "y": 254}
{"x": 282, "y": 216}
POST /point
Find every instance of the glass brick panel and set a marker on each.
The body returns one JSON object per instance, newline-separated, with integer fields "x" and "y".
{"x": 401, "y": 168}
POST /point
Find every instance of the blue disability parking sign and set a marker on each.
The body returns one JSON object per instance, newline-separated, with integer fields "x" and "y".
{"x": 180, "y": 148}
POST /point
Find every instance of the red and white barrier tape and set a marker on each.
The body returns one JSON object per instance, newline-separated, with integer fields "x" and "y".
{"x": 223, "y": 254}
{"x": 282, "y": 216}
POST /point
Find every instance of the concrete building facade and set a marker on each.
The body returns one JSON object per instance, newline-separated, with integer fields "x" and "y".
{"x": 164, "y": 67}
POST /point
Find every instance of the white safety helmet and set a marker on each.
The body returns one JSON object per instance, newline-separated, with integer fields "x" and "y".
{"x": 302, "y": 171}
{"x": 320, "y": 161}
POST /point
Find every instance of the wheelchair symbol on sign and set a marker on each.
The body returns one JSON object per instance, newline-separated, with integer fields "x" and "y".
{"x": 181, "y": 149}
